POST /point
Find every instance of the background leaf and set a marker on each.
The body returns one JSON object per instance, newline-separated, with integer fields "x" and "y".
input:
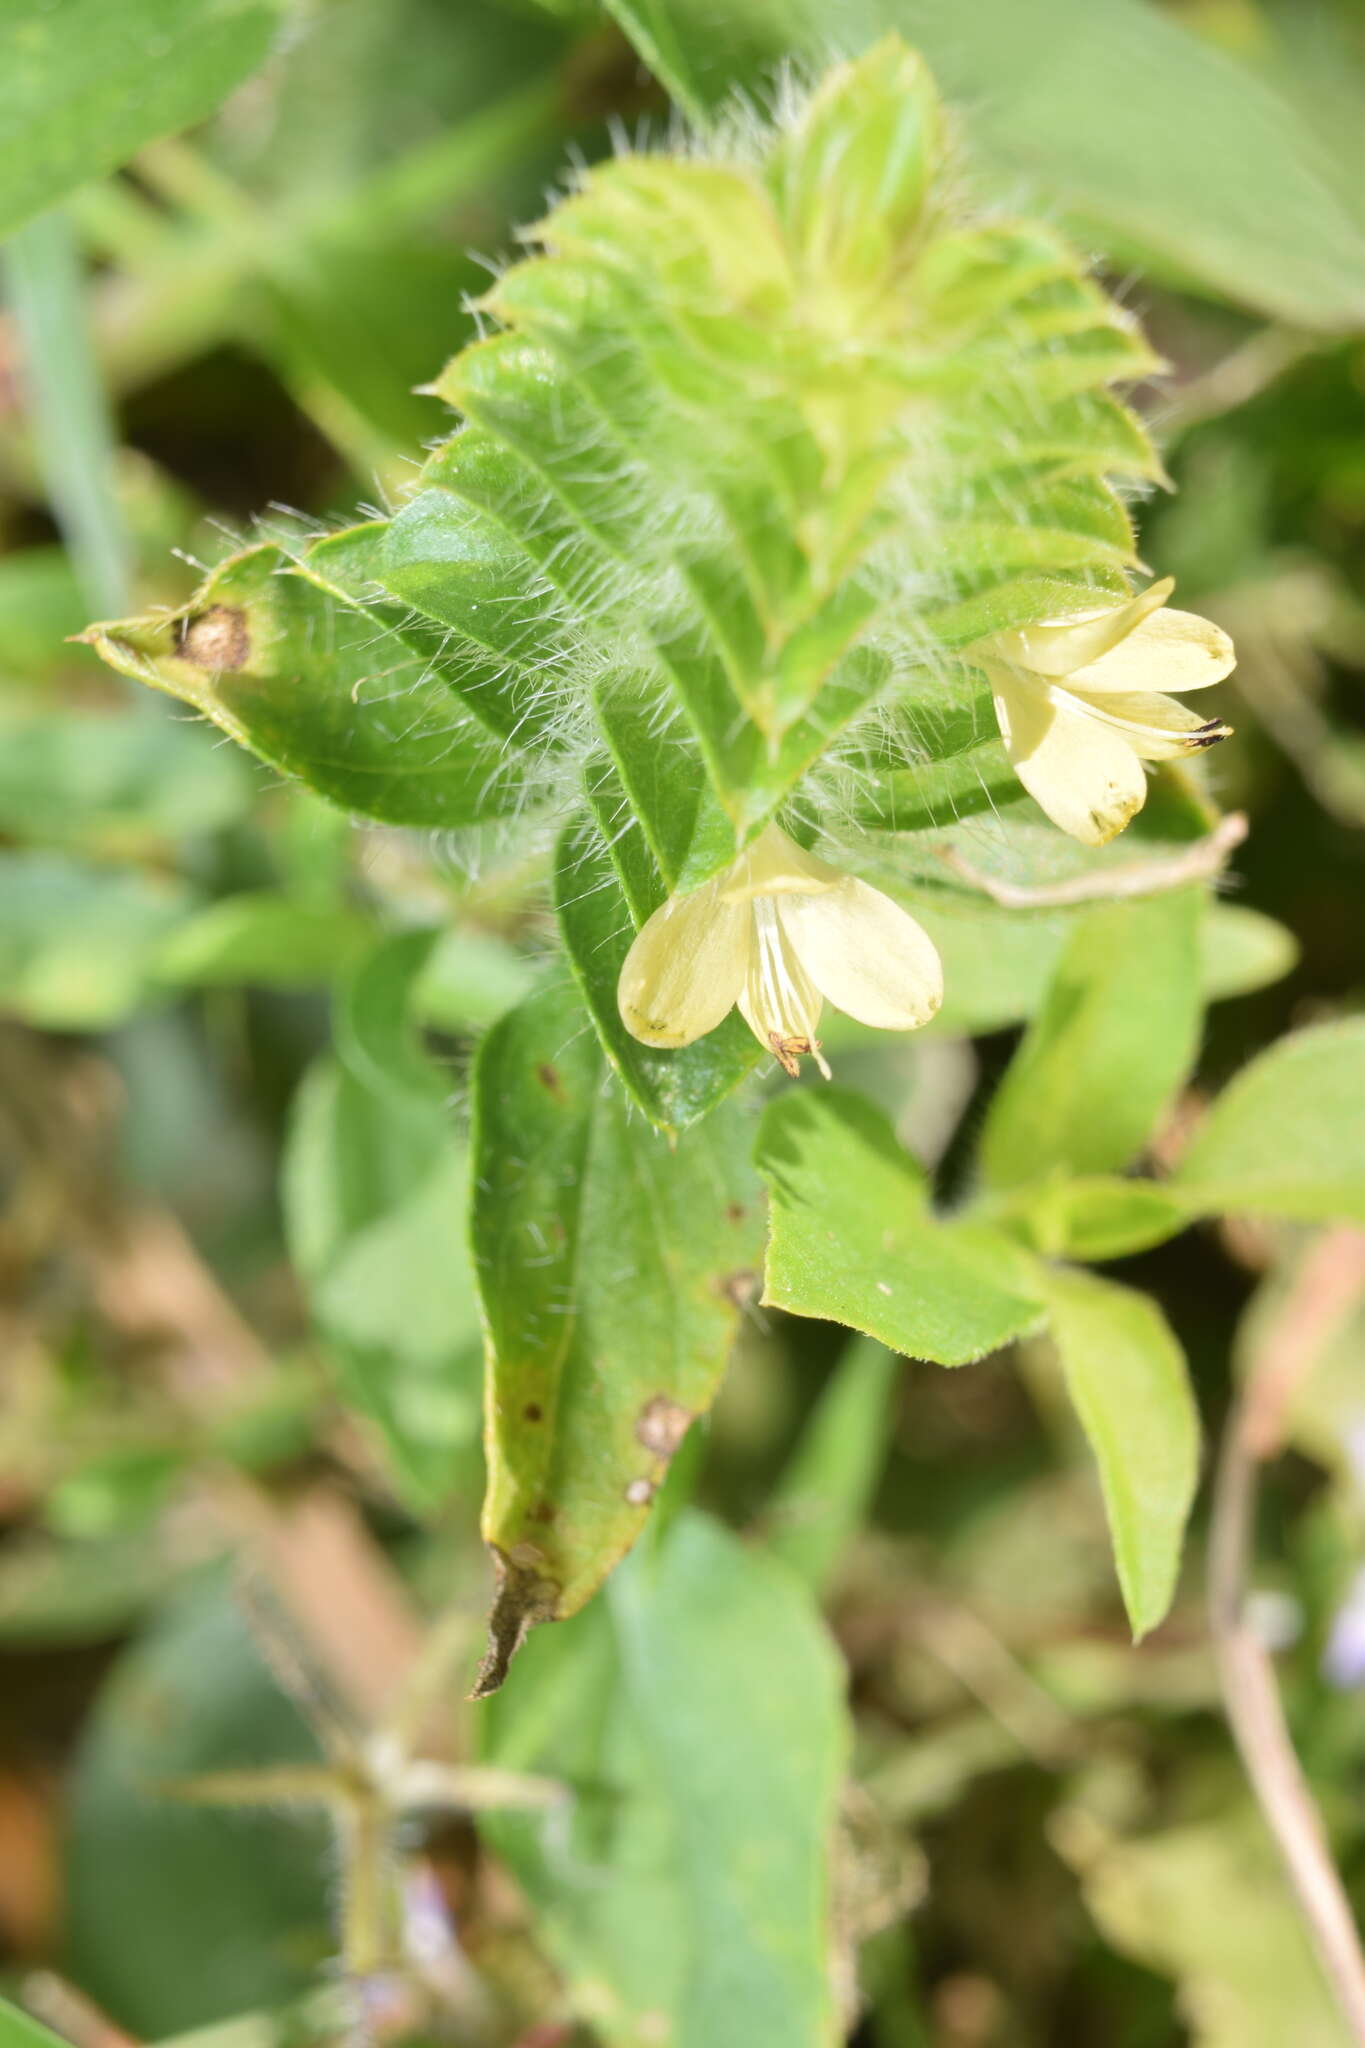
{"x": 80, "y": 943}
{"x": 1115, "y": 1037}
{"x": 376, "y": 1199}
{"x": 84, "y": 86}
{"x": 224, "y": 1910}
{"x": 705, "y": 1705}
{"x": 1126, "y": 1375}
{"x": 1287, "y": 1137}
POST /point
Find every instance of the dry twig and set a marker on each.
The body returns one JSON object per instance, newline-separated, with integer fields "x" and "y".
{"x": 1197, "y": 862}
{"x": 1330, "y": 1281}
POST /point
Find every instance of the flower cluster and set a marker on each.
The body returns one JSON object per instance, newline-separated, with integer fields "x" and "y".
{"x": 780, "y": 932}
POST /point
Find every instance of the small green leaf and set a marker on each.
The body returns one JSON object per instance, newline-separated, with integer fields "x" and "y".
{"x": 1247, "y": 1974}
{"x": 68, "y": 410}
{"x": 84, "y": 85}
{"x": 320, "y": 689}
{"x": 1114, "y": 1039}
{"x": 611, "y": 1267}
{"x": 1287, "y": 1137}
{"x": 853, "y": 1239}
{"x": 40, "y": 607}
{"x": 1125, "y": 1373}
{"x": 823, "y": 1494}
{"x": 1241, "y": 950}
{"x": 1098, "y": 1218}
{"x": 851, "y": 182}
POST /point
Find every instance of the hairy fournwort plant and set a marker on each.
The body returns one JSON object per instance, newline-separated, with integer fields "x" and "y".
{"x": 781, "y": 458}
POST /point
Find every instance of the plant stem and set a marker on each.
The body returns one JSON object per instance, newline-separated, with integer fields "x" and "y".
{"x": 1330, "y": 1281}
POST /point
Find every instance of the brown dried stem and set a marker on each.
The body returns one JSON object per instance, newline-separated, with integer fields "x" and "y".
{"x": 1330, "y": 1281}
{"x": 1198, "y": 862}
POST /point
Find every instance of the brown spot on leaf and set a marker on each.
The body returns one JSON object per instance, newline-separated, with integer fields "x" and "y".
{"x": 661, "y": 1425}
{"x": 738, "y": 1288}
{"x": 549, "y": 1080}
{"x": 532, "y": 1412}
{"x": 544, "y": 1511}
{"x": 216, "y": 639}
{"x": 735, "y": 1212}
{"x": 524, "y": 1597}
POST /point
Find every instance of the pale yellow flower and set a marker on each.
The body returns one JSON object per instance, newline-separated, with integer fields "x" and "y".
{"x": 778, "y": 932}
{"x": 1081, "y": 704}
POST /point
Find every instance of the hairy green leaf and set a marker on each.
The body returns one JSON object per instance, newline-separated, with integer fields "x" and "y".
{"x": 286, "y": 664}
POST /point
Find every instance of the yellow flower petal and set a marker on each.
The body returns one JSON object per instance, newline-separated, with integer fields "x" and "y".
{"x": 685, "y": 970}
{"x": 1156, "y": 727}
{"x": 1060, "y": 646}
{"x": 1083, "y": 772}
{"x": 776, "y": 866}
{"x": 865, "y": 954}
{"x": 1173, "y": 651}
